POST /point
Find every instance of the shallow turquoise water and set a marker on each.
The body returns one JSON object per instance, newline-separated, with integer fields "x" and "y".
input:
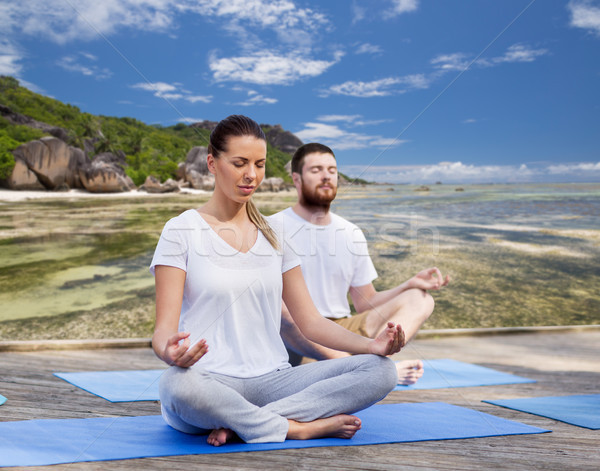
{"x": 66, "y": 256}
{"x": 558, "y": 206}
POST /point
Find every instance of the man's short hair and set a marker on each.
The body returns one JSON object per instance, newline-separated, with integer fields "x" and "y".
{"x": 304, "y": 150}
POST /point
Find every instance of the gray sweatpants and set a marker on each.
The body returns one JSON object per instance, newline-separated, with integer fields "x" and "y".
{"x": 257, "y": 409}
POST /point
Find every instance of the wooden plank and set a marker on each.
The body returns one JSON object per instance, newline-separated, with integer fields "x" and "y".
{"x": 37, "y": 345}
{"x": 564, "y": 362}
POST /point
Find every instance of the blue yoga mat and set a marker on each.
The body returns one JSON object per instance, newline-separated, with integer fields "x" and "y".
{"x": 581, "y": 410}
{"x": 117, "y": 386}
{"x": 46, "y": 442}
{"x": 142, "y": 385}
{"x": 2, "y": 399}
{"x": 447, "y": 373}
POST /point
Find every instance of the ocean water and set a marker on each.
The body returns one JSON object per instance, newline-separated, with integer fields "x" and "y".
{"x": 563, "y": 214}
{"x": 517, "y": 254}
{"x": 558, "y": 206}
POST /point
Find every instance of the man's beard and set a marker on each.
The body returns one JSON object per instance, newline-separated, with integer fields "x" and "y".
{"x": 312, "y": 197}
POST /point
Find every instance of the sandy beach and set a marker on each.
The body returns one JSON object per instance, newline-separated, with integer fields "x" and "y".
{"x": 17, "y": 196}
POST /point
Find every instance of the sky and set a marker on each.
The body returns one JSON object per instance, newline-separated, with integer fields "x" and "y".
{"x": 403, "y": 91}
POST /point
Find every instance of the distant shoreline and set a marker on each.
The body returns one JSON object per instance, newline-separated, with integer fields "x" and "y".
{"x": 13, "y": 196}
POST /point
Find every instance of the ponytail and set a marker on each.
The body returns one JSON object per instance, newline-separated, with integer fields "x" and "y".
{"x": 263, "y": 226}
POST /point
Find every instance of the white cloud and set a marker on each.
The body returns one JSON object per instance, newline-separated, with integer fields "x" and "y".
{"x": 277, "y": 14}
{"x": 246, "y": 20}
{"x": 393, "y": 9}
{"x": 168, "y": 91}
{"x": 469, "y": 121}
{"x": 460, "y": 60}
{"x": 456, "y": 61}
{"x": 198, "y": 98}
{"x": 459, "y": 173}
{"x": 367, "y": 48}
{"x": 255, "y": 98}
{"x": 386, "y": 142}
{"x": 586, "y": 15}
{"x": 519, "y": 53}
{"x": 340, "y": 139}
{"x": 442, "y": 63}
{"x": 564, "y": 169}
{"x": 351, "y": 119}
{"x": 371, "y": 122}
{"x": 358, "y": 12}
{"x": 157, "y": 87}
{"x": 447, "y": 172}
{"x": 190, "y": 120}
{"x": 316, "y": 131}
{"x": 267, "y": 68}
{"x": 63, "y": 22}
{"x": 331, "y": 118}
{"x": 378, "y": 88}
{"x": 74, "y": 64}
{"x": 89, "y": 56}
{"x": 10, "y": 58}
{"x": 299, "y": 27}
{"x": 403, "y": 6}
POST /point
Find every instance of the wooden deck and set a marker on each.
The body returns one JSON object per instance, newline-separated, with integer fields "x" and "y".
{"x": 561, "y": 362}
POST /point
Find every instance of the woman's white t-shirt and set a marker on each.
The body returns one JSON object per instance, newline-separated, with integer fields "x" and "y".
{"x": 232, "y": 299}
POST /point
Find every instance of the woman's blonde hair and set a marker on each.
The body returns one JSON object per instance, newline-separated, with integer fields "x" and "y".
{"x": 238, "y": 125}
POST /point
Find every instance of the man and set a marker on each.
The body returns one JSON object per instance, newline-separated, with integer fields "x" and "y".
{"x": 335, "y": 262}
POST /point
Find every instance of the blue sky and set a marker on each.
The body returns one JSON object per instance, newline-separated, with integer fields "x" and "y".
{"x": 406, "y": 91}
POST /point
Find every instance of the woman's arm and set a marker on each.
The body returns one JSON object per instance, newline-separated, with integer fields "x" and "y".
{"x": 296, "y": 341}
{"x": 170, "y": 345}
{"x": 327, "y": 333}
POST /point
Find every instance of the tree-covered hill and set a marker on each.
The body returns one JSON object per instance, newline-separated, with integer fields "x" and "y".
{"x": 149, "y": 150}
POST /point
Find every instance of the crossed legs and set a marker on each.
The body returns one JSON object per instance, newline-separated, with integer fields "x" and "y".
{"x": 410, "y": 309}
{"x": 309, "y": 401}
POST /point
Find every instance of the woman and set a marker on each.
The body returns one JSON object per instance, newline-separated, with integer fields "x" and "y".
{"x": 220, "y": 273}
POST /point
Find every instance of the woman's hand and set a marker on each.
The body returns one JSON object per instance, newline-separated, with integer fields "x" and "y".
{"x": 388, "y": 342}
{"x": 177, "y": 352}
{"x": 431, "y": 278}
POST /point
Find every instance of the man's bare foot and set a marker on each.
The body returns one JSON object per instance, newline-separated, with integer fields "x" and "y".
{"x": 409, "y": 371}
{"x": 219, "y": 436}
{"x": 337, "y": 426}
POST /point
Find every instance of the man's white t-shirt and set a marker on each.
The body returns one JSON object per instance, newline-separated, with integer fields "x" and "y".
{"x": 231, "y": 299}
{"x": 334, "y": 258}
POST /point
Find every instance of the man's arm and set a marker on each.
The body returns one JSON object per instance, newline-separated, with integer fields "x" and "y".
{"x": 367, "y": 297}
{"x": 296, "y": 341}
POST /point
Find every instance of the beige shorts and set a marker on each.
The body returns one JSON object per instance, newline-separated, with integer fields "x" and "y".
{"x": 356, "y": 323}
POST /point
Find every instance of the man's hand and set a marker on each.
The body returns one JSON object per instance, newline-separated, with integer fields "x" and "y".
{"x": 178, "y": 352}
{"x": 388, "y": 342}
{"x": 428, "y": 279}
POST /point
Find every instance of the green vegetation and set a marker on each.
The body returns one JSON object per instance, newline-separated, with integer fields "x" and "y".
{"x": 11, "y": 137}
{"x": 355, "y": 181}
{"x": 149, "y": 150}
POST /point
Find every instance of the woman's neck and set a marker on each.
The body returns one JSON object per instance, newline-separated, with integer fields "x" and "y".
{"x": 224, "y": 209}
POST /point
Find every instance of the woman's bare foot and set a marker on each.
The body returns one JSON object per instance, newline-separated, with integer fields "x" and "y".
{"x": 409, "y": 371}
{"x": 338, "y": 426}
{"x": 219, "y": 436}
